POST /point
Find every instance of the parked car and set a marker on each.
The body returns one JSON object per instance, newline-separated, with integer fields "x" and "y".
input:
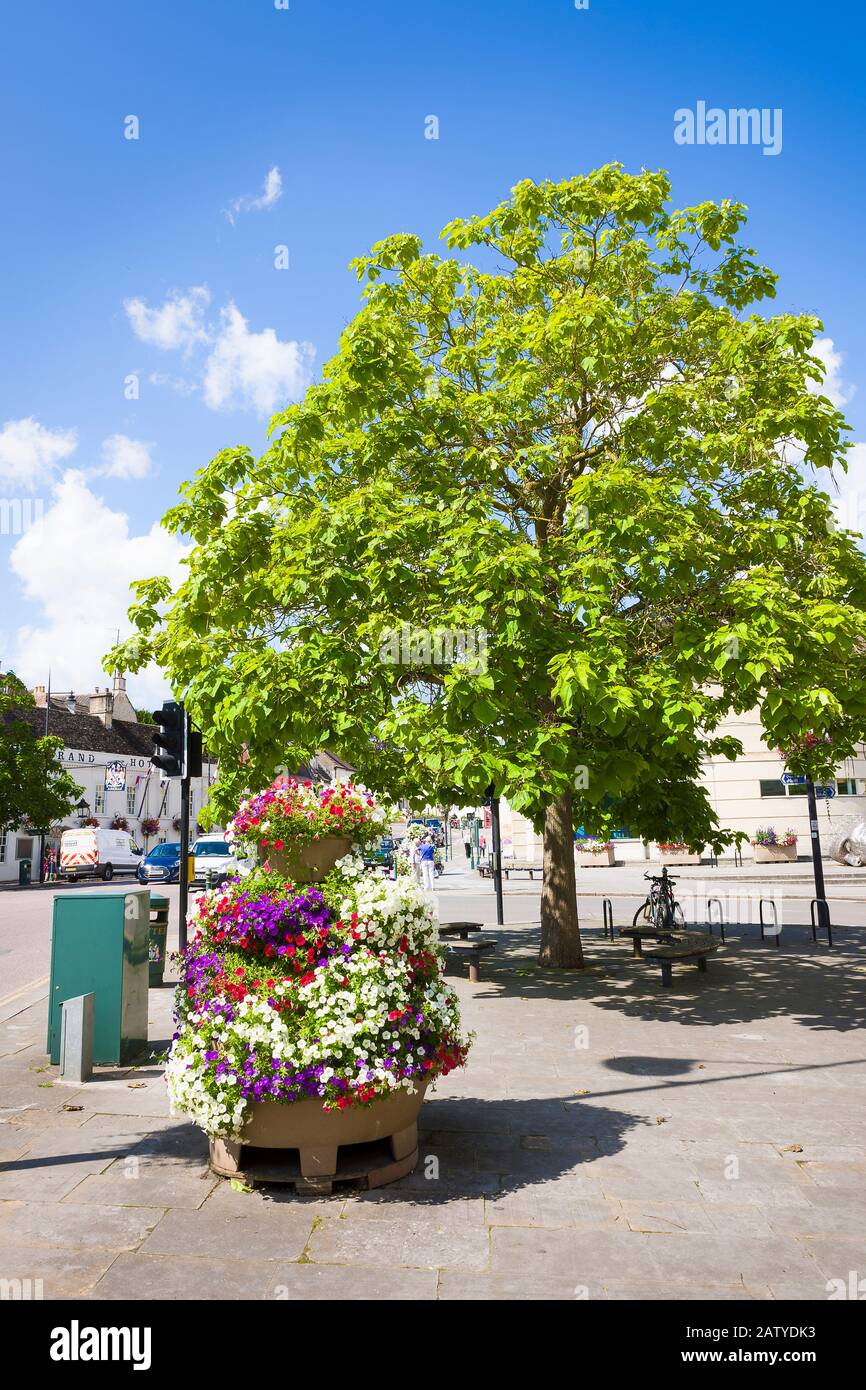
{"x": 161, "y": 865}
{"x": 214, "y": 855}
{"x": 97, "y": 852}
{"x": 382, "y": 854}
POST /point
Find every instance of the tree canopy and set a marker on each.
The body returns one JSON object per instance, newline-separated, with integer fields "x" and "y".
{"x": 574, "y": 434}
{"x": 34, "y": 787}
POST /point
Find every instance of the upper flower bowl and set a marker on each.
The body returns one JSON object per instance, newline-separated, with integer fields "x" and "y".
{"x": 300, "y": 830}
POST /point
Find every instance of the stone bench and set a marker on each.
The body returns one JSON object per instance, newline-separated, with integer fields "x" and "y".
{"x": 472, "y": 951}
{"x": 511, "y": 867}
{"x": 461, "y": 929}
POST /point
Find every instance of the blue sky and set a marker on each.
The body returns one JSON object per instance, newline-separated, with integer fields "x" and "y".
{"x": 334, "y": 96}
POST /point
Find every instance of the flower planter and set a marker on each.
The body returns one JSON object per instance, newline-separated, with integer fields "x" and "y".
{"x": 584, "y": 860}
{"x": 775, "y": 854}
{"x": 323, "y": 1141}
{"x": 308, "y": 863}
{"x": 678, "y": 856}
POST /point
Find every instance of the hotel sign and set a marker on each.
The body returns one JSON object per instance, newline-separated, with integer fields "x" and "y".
{"x": 79, "y": 758}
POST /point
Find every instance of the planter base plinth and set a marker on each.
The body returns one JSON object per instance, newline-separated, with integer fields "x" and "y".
{"x": 317, "y": 1169}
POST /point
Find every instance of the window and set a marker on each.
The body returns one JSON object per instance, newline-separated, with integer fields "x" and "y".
{"x": 846, "y": 786}
{"x": 99, "y": 801}
{"x": 2, "y": 846}
{"x": 772, "y": 787}
{"x": 23, "y": 848}
{"x": 797, "y": 789}
{"x": 130, "y": 801}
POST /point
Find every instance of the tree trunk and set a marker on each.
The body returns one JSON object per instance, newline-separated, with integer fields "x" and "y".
{"x": 560, "y": 929}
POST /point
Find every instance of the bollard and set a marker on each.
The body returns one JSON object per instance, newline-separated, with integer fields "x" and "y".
{"x": 76, "y": 1038}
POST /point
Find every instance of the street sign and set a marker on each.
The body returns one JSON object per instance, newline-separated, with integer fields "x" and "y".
{"x": 825, "y": 793}
{"x": 791, "y": 779}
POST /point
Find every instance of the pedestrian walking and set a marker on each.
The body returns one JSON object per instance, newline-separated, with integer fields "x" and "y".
{"x": 467, "y": 841}
{"x": 426, "y": 856}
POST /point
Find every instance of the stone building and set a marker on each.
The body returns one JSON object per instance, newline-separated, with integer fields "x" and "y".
{"x": 107, "y": 750}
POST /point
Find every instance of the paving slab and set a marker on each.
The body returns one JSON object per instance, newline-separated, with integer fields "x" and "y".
{"x": 144, "y": 1186}
{"x": 280, "y": 1233}
{"x": 431, "y": 1241}
{"x": 703, "y": 1142}
{"x": 142, "y": 1277}
{"x": 49, "y": 1225}
{"x": 52, "y": 1273}
{"x": 351, "y": 1283}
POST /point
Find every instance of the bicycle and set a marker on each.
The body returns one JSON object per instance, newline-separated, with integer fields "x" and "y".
{"x": 660, "y": 910}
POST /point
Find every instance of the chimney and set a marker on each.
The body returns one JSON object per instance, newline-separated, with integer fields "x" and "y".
{"x": 124, "y": 709}
{"x": 39, "y": 696}
{"x": 102, "y": 706}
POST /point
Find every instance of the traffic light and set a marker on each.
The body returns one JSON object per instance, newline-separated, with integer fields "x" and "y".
{"x": 193, "y": 751}
{"x": 169, "y": 740}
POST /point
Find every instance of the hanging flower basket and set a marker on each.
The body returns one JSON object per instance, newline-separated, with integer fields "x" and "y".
{"x": 150, "y": 826}
{"x": 175, "y": 823}
{"x": 120, "y": 823}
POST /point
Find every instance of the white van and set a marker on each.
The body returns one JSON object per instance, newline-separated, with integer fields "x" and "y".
{"x": 93, "y": 852}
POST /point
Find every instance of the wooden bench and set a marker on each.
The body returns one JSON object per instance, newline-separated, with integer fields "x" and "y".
{"x": 472, "y": 952}
{"x": 689, "y": 946}
{"x": 640, "y": 934}
{"x": 461, "y": 929}
{"x": 512, "y": 867}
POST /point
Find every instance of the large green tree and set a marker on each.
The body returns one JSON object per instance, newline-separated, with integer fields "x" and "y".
{"x": 34, "y": 786}
{"x": 575, "y": 433}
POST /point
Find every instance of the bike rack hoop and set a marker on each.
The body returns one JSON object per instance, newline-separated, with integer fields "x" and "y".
{"x": 720, "y": 919}
{"x": 823, "y": 912}
{"x": 778, "y": 931}
{"x": 607, "y": 917}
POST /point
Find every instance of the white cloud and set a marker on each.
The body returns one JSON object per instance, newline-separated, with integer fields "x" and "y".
{"x": 848, "y": 493}
{"x": 833, "y": 387}
{"x": 178, "y": 323}
{"x": 243, "y": 370}
{"x": 76, "y": 564}
{"x": 254, "y": 370}
{"x": 125, "y": 457}
{"x": 271, "y": 193}
{"x": 29, "y": 453}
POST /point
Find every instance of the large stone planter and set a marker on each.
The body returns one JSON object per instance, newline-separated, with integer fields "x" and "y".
{"x": 584, "y": 860}
{"x": 308, "y": 863}
{"x": 775, "y": 854}
{"x": 678, "y": 857}
{"x": 312, "y": 1147}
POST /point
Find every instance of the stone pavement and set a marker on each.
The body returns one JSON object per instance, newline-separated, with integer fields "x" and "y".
{"x": 608, "y": 1140}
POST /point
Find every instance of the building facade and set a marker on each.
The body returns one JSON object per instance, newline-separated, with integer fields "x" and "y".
{"x": 107, "y": 750}
{"x": 746, "y": 794}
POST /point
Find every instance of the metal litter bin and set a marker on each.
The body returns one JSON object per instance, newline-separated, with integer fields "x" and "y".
{"x": 24, "y": 872}
{"x": 99, "y": 946}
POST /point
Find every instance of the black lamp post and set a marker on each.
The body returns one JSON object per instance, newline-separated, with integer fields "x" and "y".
{"x": 83, "y": 809}
{"x": 820, "y": 904}
{"x": 492, "y": 801}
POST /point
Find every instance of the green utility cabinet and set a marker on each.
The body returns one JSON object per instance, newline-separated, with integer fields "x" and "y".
{"x": 99, "y": 944}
